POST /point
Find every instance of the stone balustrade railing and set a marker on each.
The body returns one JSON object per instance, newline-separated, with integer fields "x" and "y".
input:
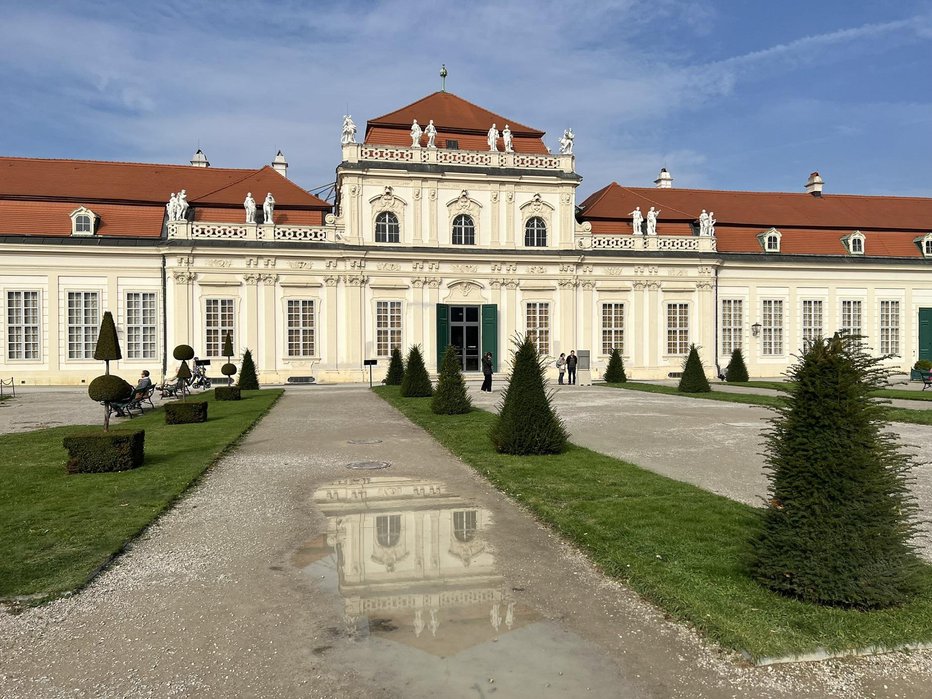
{"x": 205, "y": 230}
{"x": 367, "y": 152}
{"x": 669, "y": 243}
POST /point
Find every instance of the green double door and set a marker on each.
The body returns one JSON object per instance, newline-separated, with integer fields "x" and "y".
{"x": 472, "y": 330}
{"x": 925, "y": 333}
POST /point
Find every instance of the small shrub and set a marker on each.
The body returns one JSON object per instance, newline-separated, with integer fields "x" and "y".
{"x": 109, "y": 388}
{"x": 248, "y": 381}
{"x": 396, "y": 369}
{"x": 923, "y": 365}
{"x": 183, "y": 353}
{"x": 693, "y": 379}
{"x": 185, "y": 413}
{"x": 227, "y": 393}
{"x": 615, "y": 371}
{"x": 736, "y": 371}
{"x": 102, "y": 452}
{"x": 451, "y": 397}
{"x": 416, "y": 382}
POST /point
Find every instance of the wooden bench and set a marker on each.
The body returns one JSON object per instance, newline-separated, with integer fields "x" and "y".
{"x": 926, "y": 379}
{"x": 137, "y": 402}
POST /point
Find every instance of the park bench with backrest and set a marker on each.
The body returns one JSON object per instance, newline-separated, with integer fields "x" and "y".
{"x": 926, "y": 377}
{"x": 136, "y": 403}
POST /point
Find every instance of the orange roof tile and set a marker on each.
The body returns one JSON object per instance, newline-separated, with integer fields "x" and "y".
{"x": 49, "y": 218}
{"x": 283, "y": 217}
{"x": 388, "y": 136}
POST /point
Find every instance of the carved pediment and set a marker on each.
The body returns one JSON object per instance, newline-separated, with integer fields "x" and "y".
{"x": 464, "y": 290}
{"x": 464, "y": 204}
{"x": 388, "y": 201}
{"x": 536, "y": 207}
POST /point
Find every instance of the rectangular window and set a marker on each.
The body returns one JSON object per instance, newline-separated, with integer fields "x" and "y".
{"x": 732, "y": 325}
{"x": 140, "y": 325}
{"x": 772, "y": 327}
{"x": 851, "y": 317}
{"x": 538, "y": 326}
{"x": 889, "y": 327}
{"x": 677, "y": 328}
{"x": 387, "y": 327}
{"x": 811, "y": 321}
{"x": 22, "y": 324}
{"x": 301, "y": 327}
{"x": 218, "y": 318}
{"x": 613, "y": 327}
{"x": 83, "y": 323}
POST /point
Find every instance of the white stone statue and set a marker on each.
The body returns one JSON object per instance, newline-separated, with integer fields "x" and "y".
{"x": 652, "y": 221}
{"x": 182, "y": 205}
{"x": 172, "y": 207}
{"x": 711, "y": 223}
{"x": 704, "y": 223}
{"x": 431, "y": 133}
{"x": 415, "y": 135}
{"x": 506, "y": 137}
{"x": 268, "y": 208}
{"x": 566, "y": 142}
{"x": 349, "y": 130}
{"x": 492, "y": 139}
{"x": 250, "y": 205}
{"x": 637, "y": 221}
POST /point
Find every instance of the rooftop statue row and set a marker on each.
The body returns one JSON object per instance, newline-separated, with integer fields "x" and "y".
{"x": 177, "y": 206}
{"x": 706, "y": 222}
{"x": 268, "y": 208}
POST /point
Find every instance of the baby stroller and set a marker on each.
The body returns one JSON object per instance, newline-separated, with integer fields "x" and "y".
{"x": 199, "y": 377}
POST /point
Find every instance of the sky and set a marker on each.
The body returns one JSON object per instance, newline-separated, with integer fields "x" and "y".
{"x": 747, "y": 95}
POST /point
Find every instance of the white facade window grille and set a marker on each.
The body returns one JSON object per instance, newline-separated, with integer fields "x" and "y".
{"x": 732, "y": 325}
{"x": 851, "y": 317}
{"x": 387, "y": 327}
{"x": 537, "y": 317}
{"x": 677, "y": 328}
{"x": 464, "y": 230}
{"x": 811, "y": 321}
{"x": 889, "y": 327}
{"x": 535, "y": 232}
{"x": 301, "y": 328}
{"x": 218, "y": 318}
{"x": 83, "y": 323}
{"x": 772, "y": 327}
{"x": 22, "y": 324}
{"x": 613, "y": 327}
{"x": 387, "y": 229}
{"x": 141, "y": 319}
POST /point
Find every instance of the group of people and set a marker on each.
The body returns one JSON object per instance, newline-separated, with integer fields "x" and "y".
{"x": 566, "y": 364}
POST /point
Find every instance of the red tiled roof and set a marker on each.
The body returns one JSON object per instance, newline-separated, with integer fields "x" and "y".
{"x": 386, "y": 136}
{"x": 50, "y": 218}
{"x": 283, "y": 217}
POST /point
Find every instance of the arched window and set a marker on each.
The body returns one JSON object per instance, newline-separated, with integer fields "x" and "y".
{"x": 857, "y": 246}
{"x": 464, "y": 230}
{"x": 82, "y": 223}
{"x": 535, "y": 233}
{"x": 386, "y": 228}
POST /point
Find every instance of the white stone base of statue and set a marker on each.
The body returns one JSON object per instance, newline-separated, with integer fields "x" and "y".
{"x": 583, "y": 377}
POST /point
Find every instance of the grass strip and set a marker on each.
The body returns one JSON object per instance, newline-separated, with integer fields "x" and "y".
{"x": 897, "y": 393}
{"x": 57, "y": 531}
{"x": 681, "y": 547}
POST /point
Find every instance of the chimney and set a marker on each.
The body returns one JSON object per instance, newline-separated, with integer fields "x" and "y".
{"x": 664, "y": 181}
{"x": 814, "y": 185}
{"x": 280, "y": 165}
{"x": 199, "y": 159}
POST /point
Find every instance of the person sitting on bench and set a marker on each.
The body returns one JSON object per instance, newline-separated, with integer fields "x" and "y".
{"x": 139, "y": 393}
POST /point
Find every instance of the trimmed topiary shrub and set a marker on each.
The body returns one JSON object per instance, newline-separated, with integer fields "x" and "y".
{"x": 736, "y": 371}
{"x": 840, "y": 521}
{"x": 451, "y": 397}
{"x": 102, "y": 452}
{"x": 693, "y": 379}
{"x": 248, "y": 381}
{"x": 923, "y": 365}
{"x": 396, "y": 369}
{"x": 227, "y": 393}
{"x": 615, "y": 371}
{"x": 183, "y": 353}
{"x": 108, "y": 389}
{"x": 185, "y": 413}
{"x": 527, "y": 422}
{"x": 416, "y": 382}
{"x": 228, "y": 369}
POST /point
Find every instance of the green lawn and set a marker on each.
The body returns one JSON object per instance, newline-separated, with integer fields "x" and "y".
{"x": 677, "y": 545}
{"x": 898, "y": 393}
{"x": 57, "y": 531}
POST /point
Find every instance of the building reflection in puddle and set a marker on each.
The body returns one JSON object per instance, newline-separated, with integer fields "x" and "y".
{"x": 413, "y": 564}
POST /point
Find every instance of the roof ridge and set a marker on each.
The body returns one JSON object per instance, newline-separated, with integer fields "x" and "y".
{"x": 119, "y": 162}
{"x": 601, "y": 193}
{"x": 523, "y": 127}
{"x": 654, "y": 201}
{"x": 825, "y": 195}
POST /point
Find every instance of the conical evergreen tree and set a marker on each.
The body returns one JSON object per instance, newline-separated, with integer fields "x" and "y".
{"x": 840, "y": 521}
{"x": 615, "y": 371}
{"x": 248, "y": 380}
{"x": 396, "y": 369}
{"x": 693, "y": 379}
{"x": 736, "y": 370}
{"x": 527, "y": 422}
{"x": 416, "y": 382}
{"x": 451, "y": 397}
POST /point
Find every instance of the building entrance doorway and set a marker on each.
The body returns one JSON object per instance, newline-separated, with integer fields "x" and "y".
{"x": 464, "y": 335}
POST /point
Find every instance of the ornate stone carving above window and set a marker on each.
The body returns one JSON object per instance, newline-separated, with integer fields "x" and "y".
{"x": 391, "y": 208}
{"x": 539, "y": 209}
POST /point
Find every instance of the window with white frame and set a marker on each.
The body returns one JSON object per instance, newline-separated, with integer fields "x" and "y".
{"x": 535, "y": 232}
{"x": 82, "y": 221}
{"x": 851, "y": 317}
{"x": 856, "y": 243}
{"x": 22, "y": 324}
{"x": 889, "y": 327}
{"x": 771, "y": 331}
{"x": 613, "y": 327}
{"x": 464, "y": 230}
{"x": 537, "y": 317}
{"x": 218, "y": 321}
{"x": 811, "y": 321}
{"x": 677, "y": 328}
{"x": 732, "y": 325}
{"x": 770, "y": 240}
{"x": 926, "y": 244}
{"x": 301, "y": 328}
{"x": 83, "y": 323}
{"x": 387, "y": 229}
{"x": 387, "y": 327}
{"x": 465, "y": 524}
{"x": 82, "y": 224}
{"x": 141, "y": 321}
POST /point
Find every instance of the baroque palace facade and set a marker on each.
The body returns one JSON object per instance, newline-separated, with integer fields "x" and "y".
{"x": 451, "y": 225}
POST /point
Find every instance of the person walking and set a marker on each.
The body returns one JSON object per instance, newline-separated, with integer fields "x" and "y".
{"x": 571, "y": 362}
{"x": 487, "y": 372}
{"x": 561, "y": 367}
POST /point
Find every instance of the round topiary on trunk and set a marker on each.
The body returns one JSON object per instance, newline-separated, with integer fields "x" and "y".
{"x": 396, "y": 369}
{"x": 615, "y": 371}
{"x": 527, "y": 422}
{"x": 183, "y": 353}
{"x": 451, "y": 397}
{"x": 228, "y": 370}
{"x": 736, "y": 371}
{"x": 416, "y": 382}
{"x": 840, "y": 523}
{"x": 693, "y": 379}
{"x": 109, "y": 388}
{"x": 248, "y": 381}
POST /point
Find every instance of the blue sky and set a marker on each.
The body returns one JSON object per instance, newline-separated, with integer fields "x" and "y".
{"x": 727, "y": 95}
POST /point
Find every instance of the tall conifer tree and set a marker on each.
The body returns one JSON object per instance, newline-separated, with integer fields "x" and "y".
{"x": 451, "y": 397}
{"x": 416, "y": 381}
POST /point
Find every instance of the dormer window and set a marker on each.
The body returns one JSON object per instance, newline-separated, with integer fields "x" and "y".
{"x": 83, "y": 221}
{"x": 925, "y": 244}
{"x": 855, "y": 243}
{"x": 770, "y": 240}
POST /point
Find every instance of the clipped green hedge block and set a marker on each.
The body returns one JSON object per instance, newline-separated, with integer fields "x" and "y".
{"x": 102, "y": 452}
{"x": 185, "y": 413}
{"x": 227, "y": 393}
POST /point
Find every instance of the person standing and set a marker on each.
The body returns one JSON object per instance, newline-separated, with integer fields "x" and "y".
{"x": 571, "y": 362}
{"x": 487, "y": 372}
{"x": 561, "y": 367}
